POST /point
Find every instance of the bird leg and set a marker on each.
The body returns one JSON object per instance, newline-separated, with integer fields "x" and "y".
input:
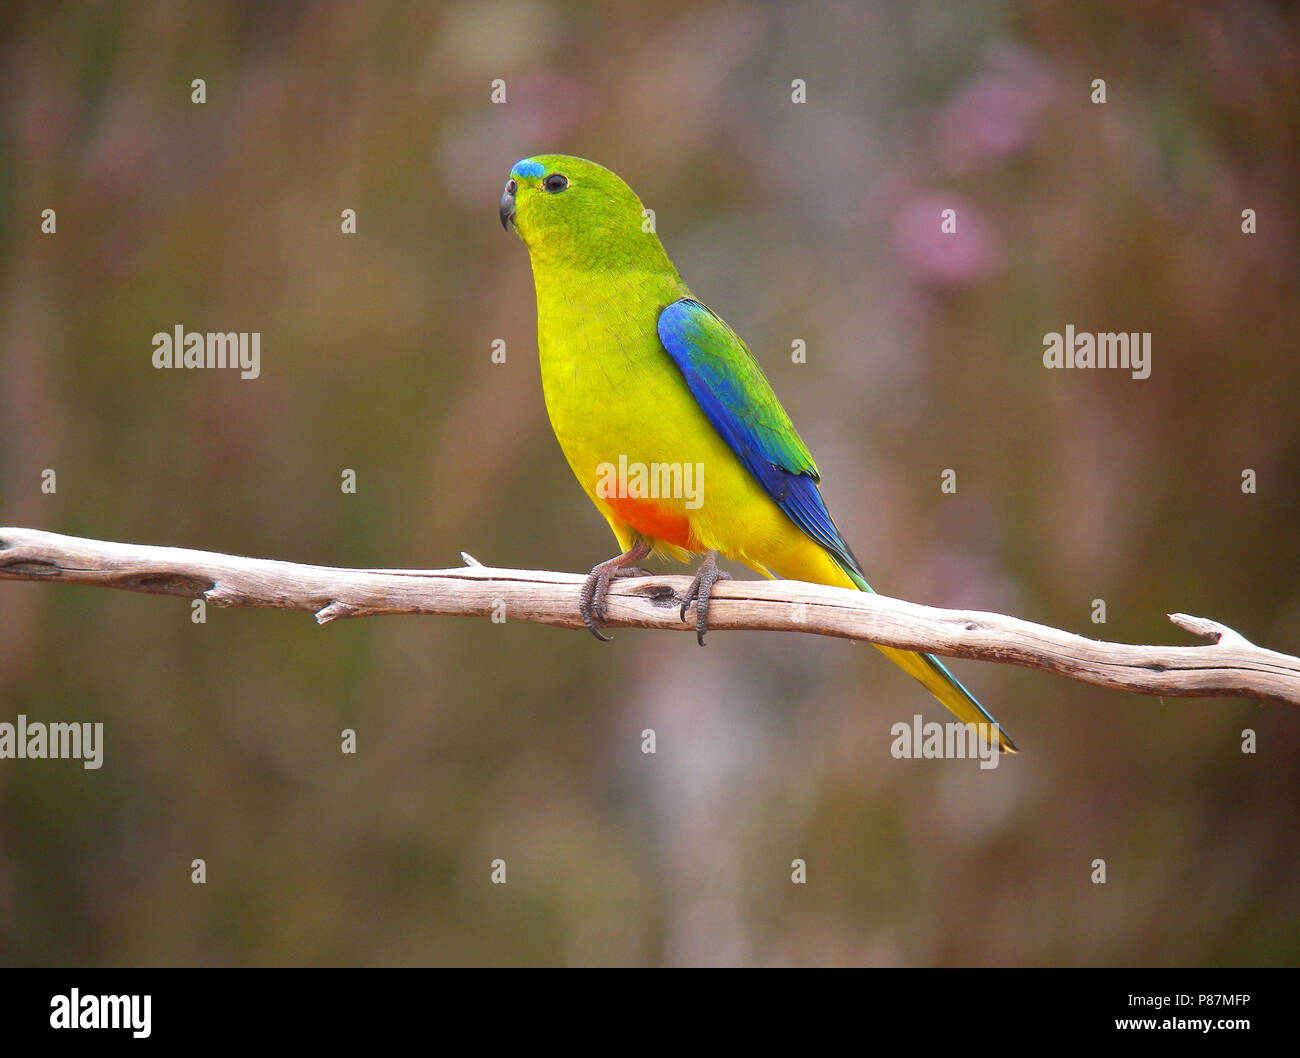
{"x": 701, "y": 590}
{"x": 591, "y": 602}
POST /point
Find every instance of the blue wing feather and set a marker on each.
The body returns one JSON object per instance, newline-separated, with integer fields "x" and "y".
{"x": 737, "y": 399}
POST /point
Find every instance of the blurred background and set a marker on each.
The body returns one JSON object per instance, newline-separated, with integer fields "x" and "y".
{"x": 814, "y": 221}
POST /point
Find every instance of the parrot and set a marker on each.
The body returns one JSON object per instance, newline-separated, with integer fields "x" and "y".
{"x": 639, "y": 375}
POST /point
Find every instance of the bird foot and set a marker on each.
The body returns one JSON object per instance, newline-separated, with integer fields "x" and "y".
{"x": 595, "y": 590}
{"x": 701, "y": 591}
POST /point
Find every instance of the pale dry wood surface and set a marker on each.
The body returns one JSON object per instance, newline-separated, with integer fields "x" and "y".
{"x": 1226, "y": 665}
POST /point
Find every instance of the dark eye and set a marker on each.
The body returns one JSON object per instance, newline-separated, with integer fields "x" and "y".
{"x": 511, "y": 187}
{"x": 555, "y": 183}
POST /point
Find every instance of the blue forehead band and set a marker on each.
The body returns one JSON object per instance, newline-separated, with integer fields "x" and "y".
{"x": 527, "y": 168}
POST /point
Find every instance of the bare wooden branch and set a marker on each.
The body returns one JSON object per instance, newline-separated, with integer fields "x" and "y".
{"x": 1227, "y": 666}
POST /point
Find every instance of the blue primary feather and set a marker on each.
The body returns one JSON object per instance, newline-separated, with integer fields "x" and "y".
{"x": 737, "y": 399}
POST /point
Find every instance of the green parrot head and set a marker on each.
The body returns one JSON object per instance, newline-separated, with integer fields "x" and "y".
{"x": 574, "y": 213}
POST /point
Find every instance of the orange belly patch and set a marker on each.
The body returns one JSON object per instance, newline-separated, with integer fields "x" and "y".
{"x": 651, "y": 518}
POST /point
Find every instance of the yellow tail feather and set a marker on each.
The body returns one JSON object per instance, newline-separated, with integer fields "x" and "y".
{"x": 945, "y": 688}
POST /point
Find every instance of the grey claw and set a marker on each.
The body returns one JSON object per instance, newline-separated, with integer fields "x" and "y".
{"x": 591, "y": 601}
{"x": 700, "y": 592}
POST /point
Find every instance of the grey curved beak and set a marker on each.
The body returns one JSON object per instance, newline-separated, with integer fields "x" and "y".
{"x": 507, "y": 210}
